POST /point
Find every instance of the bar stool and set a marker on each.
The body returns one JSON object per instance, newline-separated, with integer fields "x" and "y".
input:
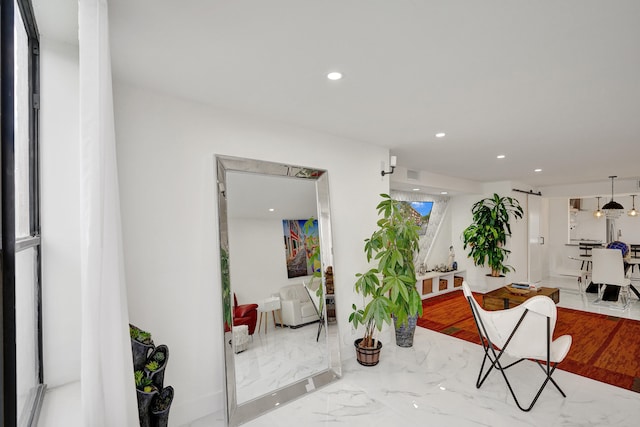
{"x": 585, "y": 250}
{"x": 635, "y": 253}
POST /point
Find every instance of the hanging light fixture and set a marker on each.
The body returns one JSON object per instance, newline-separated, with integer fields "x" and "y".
{"x": 598, "y": 213}
{"x": 633, "y": 211}
{"x": 612, "y": 208}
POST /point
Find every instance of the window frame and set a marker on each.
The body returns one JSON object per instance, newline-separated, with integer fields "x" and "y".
{"x": 9, "y": 245}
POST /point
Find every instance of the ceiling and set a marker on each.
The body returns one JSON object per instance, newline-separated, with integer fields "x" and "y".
{"x": 267, "y": 198}
{"x": 550, "y": 84}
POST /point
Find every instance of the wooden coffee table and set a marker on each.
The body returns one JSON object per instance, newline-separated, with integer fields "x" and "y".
{"x": 502, "y": 298}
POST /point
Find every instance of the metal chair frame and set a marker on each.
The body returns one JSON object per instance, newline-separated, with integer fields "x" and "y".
{"x": 318, "y": 311}
{"x": 491, "y": 355}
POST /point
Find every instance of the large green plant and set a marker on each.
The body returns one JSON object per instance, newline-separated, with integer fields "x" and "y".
{"x": 488, "y": 233}
{"x": 313, "y": 244}
{"x": 226, "y": 286}
{"x": 393, "y": 245}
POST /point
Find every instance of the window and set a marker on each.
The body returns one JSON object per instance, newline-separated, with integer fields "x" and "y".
{"x": 22, "y": 386}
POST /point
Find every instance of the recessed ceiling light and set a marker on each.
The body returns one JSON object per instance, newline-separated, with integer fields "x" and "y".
{"x": 334, "y": 75}
{"x": 440, "y": 135}
{"x": 271, "y": 210}
{"x": 500, "y": 156}
{"x": 443, "y": 192}
{"x": 537, "y": 170}
{"x": 416, "y": 189}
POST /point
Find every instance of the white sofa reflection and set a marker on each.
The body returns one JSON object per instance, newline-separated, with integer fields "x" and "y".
{"x": 297, "y": 308}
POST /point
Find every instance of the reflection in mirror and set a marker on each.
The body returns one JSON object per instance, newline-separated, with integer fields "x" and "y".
{"x": 256, "y": 207}
{"x": 280, "y": 345}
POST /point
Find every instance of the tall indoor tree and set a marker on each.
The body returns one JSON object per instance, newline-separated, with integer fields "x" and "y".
{"x": 487, "y": 235}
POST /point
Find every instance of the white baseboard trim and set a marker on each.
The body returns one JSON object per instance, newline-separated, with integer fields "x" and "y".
{"x": 567, "y": 272}
{"x": 187, "y": 412}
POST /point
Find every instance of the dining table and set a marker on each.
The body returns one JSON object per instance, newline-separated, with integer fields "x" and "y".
{"x": 633, "y": 262}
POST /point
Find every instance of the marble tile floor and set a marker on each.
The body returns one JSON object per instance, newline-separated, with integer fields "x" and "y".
{"x": 570, "y": 297}
{"x": 433, "y": 383}
{"x": 61, "y": 407}
{"x": 278, "y": 358}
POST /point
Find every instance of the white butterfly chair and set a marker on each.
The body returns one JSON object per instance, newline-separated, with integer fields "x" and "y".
{"x": 608, "y": 269}
{"x": 522, "y": 332}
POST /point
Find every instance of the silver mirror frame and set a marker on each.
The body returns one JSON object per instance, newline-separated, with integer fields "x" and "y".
{"x": 238, "y": 414}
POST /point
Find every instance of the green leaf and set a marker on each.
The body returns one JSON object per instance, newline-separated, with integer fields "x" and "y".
{"x": 393, "y": 245}
{"x": 488, "y": 233}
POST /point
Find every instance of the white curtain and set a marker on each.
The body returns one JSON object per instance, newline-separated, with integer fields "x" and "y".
{"x": 108, "y": 391}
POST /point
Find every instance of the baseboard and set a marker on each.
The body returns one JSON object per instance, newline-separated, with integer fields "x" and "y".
{"x": 567, "y": 272}
{"x": 301, "y": 324}
{"x": 187, "y": 412}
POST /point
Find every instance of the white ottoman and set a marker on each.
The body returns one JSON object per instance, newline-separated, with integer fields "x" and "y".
{"x": 240, "y": 338}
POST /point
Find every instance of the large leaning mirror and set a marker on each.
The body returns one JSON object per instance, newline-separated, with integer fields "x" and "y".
{"x": 275, "y": 232}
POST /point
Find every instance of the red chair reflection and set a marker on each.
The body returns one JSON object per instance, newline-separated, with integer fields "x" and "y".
{"x": 246, "y": 314}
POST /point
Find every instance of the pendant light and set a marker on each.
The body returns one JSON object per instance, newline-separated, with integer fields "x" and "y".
{"x": 633, "y": 211}
{"x": 613, "y": 209}
{"x": 598, "y": 213}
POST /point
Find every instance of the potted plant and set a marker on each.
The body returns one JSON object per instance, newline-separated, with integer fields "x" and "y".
{"x": 141, "y": 346}
{"x": 160, "y": 407}
{"x": 487, "y": 234}
{"x": 393, "y": 245}
{"x": 153, "y": 400}
{"x": 145, "y": 391}
{"x": 156, "y": 364}
{"x": 313, "y": 258}
{"x": 226, "y": 289}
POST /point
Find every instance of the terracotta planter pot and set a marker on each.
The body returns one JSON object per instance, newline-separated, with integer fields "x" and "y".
{"x": 367, "y": 356}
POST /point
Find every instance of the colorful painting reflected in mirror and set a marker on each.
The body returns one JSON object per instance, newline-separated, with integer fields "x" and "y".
{"x": 300, "y": 242}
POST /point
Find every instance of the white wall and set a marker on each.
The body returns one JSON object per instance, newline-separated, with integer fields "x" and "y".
{"x": 558, "y": 219}
{"x": 518, "y": 243}
{"x": 258, "y": 263}
{"x": 592, "y": 189}
{"x": 444, "y": 238}
{"x": 582, "y": 223}
{"x": 557, "y": 251}
{"x": 545, "y": 233}
{"x": 460, "y": 212}
{"x": 165, "y": 151}
{"x": 460, "y": 208}
{"x": 433, "y": 182}
{"x": 60, "y": 211}
{"x": 629, "y": 226}
{"x": 166, "y": 169}
{"x": 554, "y": 228}
{"x": 591, "y": 228}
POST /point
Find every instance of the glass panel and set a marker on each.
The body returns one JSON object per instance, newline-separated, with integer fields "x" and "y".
{"x": 26, "y": 328}
{"x": 26, "y": 261}
{"x": 21, "y": 142}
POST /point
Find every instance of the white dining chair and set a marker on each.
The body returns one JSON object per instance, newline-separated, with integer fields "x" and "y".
{"x": 608, "y": 270}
